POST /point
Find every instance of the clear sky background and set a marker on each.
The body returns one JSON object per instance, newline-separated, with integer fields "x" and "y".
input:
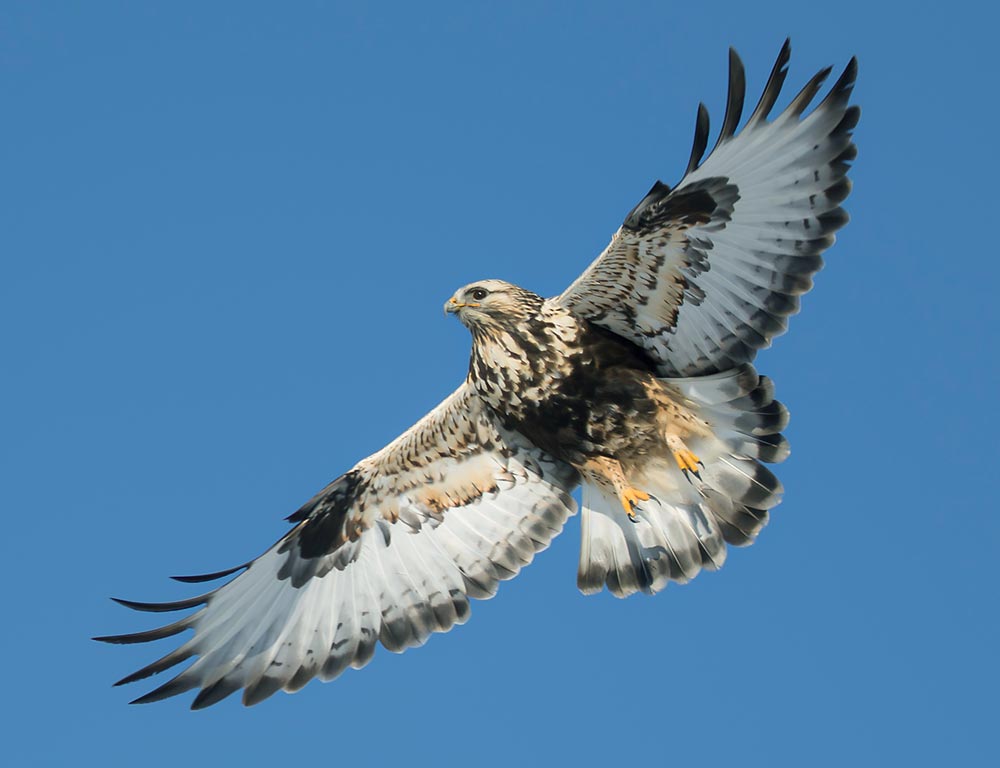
{"x": 226, "y": 233}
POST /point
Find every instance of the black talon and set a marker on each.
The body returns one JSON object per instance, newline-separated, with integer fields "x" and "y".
{"x": 689, "y": 472}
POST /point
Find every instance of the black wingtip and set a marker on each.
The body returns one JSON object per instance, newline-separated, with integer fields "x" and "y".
{"x": 850, "y": 119}
{"x": 171, "y": 688}
{"x": 203, "y": 577}
{"x": 701, "y": 127}
{"x": 837, "y": 192}
{"x": 734, "y": 98}
{"x": 808, "y": 92}
{"x": 841, "y": 91}
{"x": 774, "y": 83}
{"x": 172, "y": 659}
{"x": 177, "y": 605}
{"x": 832, "y": 220}
{"x": 849, "y": 76}
{"x": 144, "y": 637}
{"x": 215, "y": 693}
{"x": 257, "y": 692}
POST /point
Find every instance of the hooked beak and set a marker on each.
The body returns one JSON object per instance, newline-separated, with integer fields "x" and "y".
{"x": 453, "y": 305}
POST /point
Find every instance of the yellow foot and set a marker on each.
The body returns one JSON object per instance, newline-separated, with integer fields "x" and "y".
{"x": 686, "y": 459}
{"x": 630, "y": 498}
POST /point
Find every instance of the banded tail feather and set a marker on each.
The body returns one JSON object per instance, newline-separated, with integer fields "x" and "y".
{"x": 685, "y": 525}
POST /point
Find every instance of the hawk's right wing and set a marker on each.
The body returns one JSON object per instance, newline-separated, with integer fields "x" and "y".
{"x": 389, "y": 552}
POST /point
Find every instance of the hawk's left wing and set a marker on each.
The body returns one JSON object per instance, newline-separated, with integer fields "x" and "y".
{"x": 389, "y": 552}
{"x": 704, "y": 275}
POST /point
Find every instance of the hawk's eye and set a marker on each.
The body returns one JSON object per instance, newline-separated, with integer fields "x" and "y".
{"x": 479, "y": 294}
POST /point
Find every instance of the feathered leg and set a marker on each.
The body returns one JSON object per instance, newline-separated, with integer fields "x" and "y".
{"x": 686, "y": 459}
{"x": 609, "y": 472}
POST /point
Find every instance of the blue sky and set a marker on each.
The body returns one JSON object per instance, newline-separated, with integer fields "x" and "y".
{"x": 226, "y": 233}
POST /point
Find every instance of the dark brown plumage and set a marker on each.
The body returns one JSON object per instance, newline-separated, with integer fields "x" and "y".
{"x": 569, "y": 386}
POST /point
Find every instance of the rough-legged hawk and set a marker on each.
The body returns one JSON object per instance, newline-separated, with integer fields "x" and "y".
{"x": 637, "y": 382}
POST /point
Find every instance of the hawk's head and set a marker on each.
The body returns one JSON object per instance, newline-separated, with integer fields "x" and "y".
{"x": 493, "y": 303}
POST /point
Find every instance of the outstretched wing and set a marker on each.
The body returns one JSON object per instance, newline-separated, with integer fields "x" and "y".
{"x": 389, "y": 552}
{"x": 704, "y": 275}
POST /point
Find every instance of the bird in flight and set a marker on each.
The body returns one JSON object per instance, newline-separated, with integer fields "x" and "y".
{"x": 635, "y": 383}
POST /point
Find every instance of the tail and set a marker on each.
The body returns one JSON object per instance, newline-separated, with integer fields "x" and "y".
{"x": 687, "y": 522}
